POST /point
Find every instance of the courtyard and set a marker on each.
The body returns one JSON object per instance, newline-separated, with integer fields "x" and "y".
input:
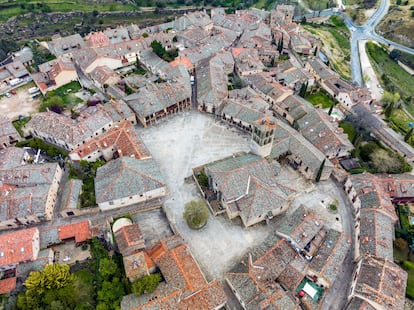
{"x": 193, "y": 139}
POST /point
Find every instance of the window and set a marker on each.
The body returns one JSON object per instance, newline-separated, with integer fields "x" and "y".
{"x": 111, "y": 203}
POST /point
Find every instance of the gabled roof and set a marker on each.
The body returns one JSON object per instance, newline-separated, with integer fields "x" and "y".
{"x": 381, "y": 281}
{"x": 17, "y": 246}
{"x": 80, "y": 231}
{"x": 7, "y": 285}
{"x": 129, "y": 236}
{"x": 122, "y": 138}
{"x": 125, "y": 177}
{"x": 185, "y": 286}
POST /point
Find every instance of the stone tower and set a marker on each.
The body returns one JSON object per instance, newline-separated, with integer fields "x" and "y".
{"x": 262, "y": 136}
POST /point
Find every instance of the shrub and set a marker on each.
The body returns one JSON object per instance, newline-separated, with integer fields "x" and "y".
{"x": 146, "y": 284}
{"x": 196, "y": 214}
{"x": 202, "y": 179}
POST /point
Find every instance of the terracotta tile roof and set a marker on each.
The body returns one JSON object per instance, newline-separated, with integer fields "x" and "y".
{"x": 182, "y": 60}
{"x": 19, "y": 246}
{"x": 135, "y": 266}
{"x": 7, "y": 285}
{"x": 80, "y": 231}
{"x": 128, "y": 237}
{"x": 382, "y": 282}
{"x": 122, "y": 138}
{"x": 185, "y": 286}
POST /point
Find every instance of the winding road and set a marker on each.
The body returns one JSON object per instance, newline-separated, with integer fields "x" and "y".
{"x": 364, "y": 32}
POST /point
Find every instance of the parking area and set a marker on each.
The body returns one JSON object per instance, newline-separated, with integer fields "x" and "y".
{"x": 21, "y": 103}
{"x": 193, "y": 139}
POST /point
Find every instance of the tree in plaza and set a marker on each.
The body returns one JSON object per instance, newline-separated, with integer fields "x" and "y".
{"x": 195, "y": 214}
{"x": 146, "y": 284}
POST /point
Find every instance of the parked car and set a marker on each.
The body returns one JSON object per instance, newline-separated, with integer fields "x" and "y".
{"x": 7, "y": 95}
{"x": 13, "y": 92}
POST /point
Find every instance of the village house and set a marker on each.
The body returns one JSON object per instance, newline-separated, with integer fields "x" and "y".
{"x": 243, "y": 108}
{"x": 346, "y": 94}
{"x": 301, "y": 41}
{"x": 78, "y": 232}
{"x": 184, "y": 285}
{"x": 373, "y": 197}
{"x": 247, "y": 61}
{"x": 28, "y": 194}
{"x": 211, "y": 85}
{"x": 68, "y": 133}
{"x": 69, "y": 202}
{"x": 126, "y": 181}
{"x": 117, "y": 35}
{"x": 103, "y": 75}
{"x": 16, "y": 247}
{"x": 378, "y": 283}
{"x": 17, "y": 69}
{"x": 302, "y": 155}
{"x": 193, "y": 19}
{"x": 246, "y": 186}
{"x": 119, "y": 111}
{"x": 65, "y": 46}
{"x": 293, "y": 267}
{"x": 13, "y": 157}
{"x": 121, "y": 140}
{"x": 131, "y": 245}
{"x": 158, "y": 100}
{"x": 287, "y": 74}
{"x": 25, "y": 56}
{"x": 8, "y": 134}
{"x": 54, "y": 74}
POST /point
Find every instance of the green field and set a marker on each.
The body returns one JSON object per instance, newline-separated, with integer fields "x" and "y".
{"x": 335, "y": 43}
{"x": 320, "y": 98}
{"x": 409, "y": 267}
{"x": 393, "y": 77}
{"x": 348, "y": 129}
{"x": 10, "y": 9}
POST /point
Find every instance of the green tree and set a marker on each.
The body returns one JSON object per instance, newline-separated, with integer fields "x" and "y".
{"x": 108, "y": 269}
{"x": 303, "y": 89}
{"x": 52, "y": 277}
{"x": 331, "y": 108}
{"x": 319, "y": 174}
{"x": 54, "y": 101}
{"x": 202, "y": 179}
{"x": 146, "y": 284}
{"x": 388, "y": 98}
{"x": 408, "y": 134}
{"x": 388, "y": 109}
{"x": 196, "y": 214}
{"x": 111, "y": 293}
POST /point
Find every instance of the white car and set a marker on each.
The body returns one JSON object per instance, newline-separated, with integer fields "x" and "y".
{"x": 8, "y": 95}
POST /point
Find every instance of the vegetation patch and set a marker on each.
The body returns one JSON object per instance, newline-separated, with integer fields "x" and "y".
{"x": 409, "y": 267}
{"x": 393, "y": 77}
{"x": 49, "y": 149}
{"x": 196, "y": 214}
{"x": 320, "y": 98}
{"x": 335, "y": 44}
{"x": 19, "y": 124}
{"x": 398, "y": 24}
{"x": 86, "y": 172}
{"x": 146, "y": 284}
{"x": 372, "y": 155}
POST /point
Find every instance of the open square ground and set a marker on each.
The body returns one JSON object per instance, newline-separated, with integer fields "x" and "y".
{"x": 193, "y": 139}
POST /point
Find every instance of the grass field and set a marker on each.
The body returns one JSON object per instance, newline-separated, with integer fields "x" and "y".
{"x": 348, "y": 129}
{"x": 335, "y": 44}
{"x": 320, "y": 98}
{"x": 393, "y": 77}
{"x": 409, "y": 267}
{"x": 10, "y": 9}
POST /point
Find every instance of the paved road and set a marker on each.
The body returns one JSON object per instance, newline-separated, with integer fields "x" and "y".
{"x": 364, "y": 32}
